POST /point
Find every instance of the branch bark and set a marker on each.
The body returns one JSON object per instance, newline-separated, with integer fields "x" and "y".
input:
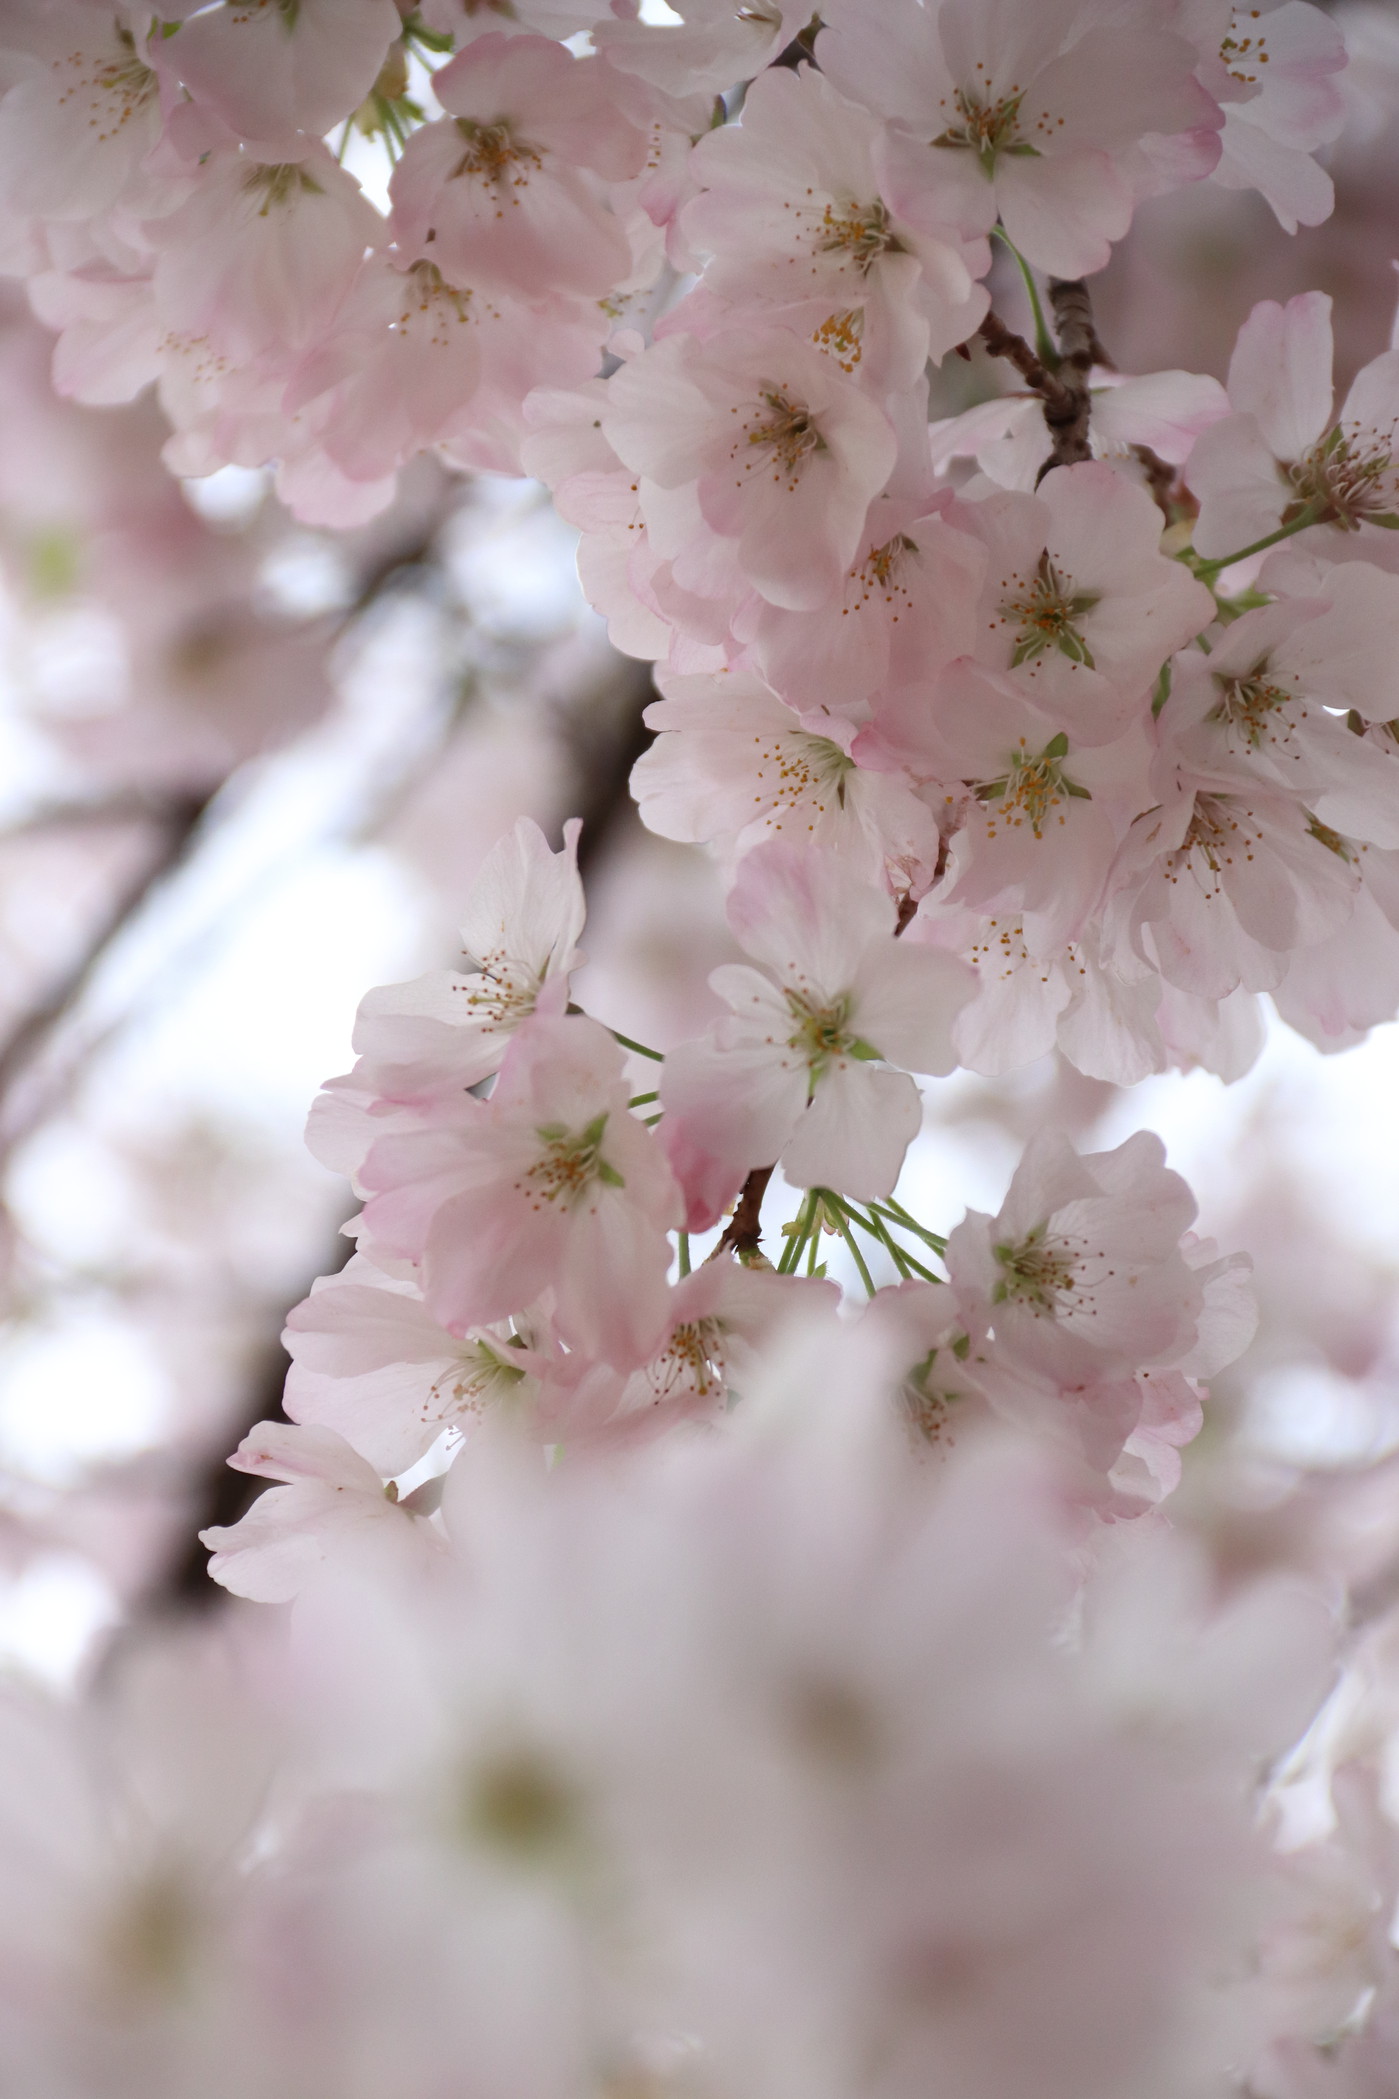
{"x": 743, "y": 1235}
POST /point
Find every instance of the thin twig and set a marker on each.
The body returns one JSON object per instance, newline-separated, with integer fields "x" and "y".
{"x": 743, "y": 1233}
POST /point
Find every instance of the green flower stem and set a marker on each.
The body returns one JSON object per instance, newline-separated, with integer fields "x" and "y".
{"x": 907, "y": 1263}
{"x": 683, "y": 1251}
{"x": 897, "y": 1214}
{"x": 1045, "y": 347}
{"x": 641, "y": 1100}
{"x": 626, "y": 1042}
{"x": 835, "y": 1209}
{"x": 1206, "y": 569}
{"x": 797, "y": 1238}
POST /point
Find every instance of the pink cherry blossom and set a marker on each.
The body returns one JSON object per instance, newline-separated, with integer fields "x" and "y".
{"x": 730, "y": 762}
{"x": 507, "y": 191}
{"x": 1079, "y": 605}
{"x": 722, "y": 1319}
{"x": 260, "y": 257}
{"x": 1217, "y": 882}
{"x": 1080, "y": 1274}
{"x": 1030, "y": 115}
{"x": 333, "y": 1509}
{"x": 423, "y": 1043}
{"x": 792, "y": 217}
{"x": 783, "y": 452}
{"x": 551, "y": 1184}
{"x": 907, "y": 607}
{"x": 1274, "y": 71}
{"x": 81, "y": 118}
{"x": 800, "y": 1071}
{"x": 272, "y": 72}
{"x": 1280, "y": 457}
{"x": 370, "y": 1362}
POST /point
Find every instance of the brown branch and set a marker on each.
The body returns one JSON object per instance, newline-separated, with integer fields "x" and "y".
{"x": 1001, "y": 341}
{"x": 43, "y": 1021}
{"x": 743, "y": 1234}
{"x": 1160, "y": 479}
{"x": 1068, "y": 415}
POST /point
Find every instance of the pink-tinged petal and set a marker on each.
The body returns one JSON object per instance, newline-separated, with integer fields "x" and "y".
{"x": 1300, "y": 193}
{"x": 1064, "y": 211}
{"x": 611, "y": 1282}
{"x": 798, "y": 911}
{"x": 1234, "y": 475}
{"x": 1280, "y": 372}
{"x": 905, "y": 1001}
{"x": 271, "y": 73}
{"x": 855, "y": 1133}
{"x": 737, "y": 1104}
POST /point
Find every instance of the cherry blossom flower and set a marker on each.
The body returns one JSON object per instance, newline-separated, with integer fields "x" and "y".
{"x": 1219, "y": 880}
{"x": 1279, "y": 458}
{"x": 722, "y": 1320}
{"x": 370, "y": 1362}
{"x": 800, "y": 1072}
{"x": 1080, "y": 1274}
{"x": 506, "y": 192}
{"x": 425, "y": 1042}
{"x": 1035, "y": 824}
{"x": 1263, "y": 694}
{"x": 783, "y": 452}
{"x": 81, "y": 118}
{"x": 551, "y": 1184}
{"x": 792, "y": 216}
{"x": 1033, "y": 116}
{"x": 333, "y": 1507}
{"x": 273, "y": 71}
{"x": 1079, "y": 604}
{"x": 1274, "y": 71}
{"x": 260, "y": 257}
{"x": 731, "y": 762}
{"x": 907, "y": 608}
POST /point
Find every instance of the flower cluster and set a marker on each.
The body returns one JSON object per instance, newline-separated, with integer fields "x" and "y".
{"x": 790, "y": 1767}
{"x": 710, "y": 1686}
{"x": 176, "y": 199}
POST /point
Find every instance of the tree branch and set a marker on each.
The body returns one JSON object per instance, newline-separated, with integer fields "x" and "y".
{"x": 1067, "y": 413}
{"x": 743, "y": 1234}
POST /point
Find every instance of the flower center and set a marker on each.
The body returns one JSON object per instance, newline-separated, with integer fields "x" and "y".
{"x": 129, "y": 80}
{"x": 1045, "y": 611}
{"x": 499, "y": 992}
{"x": 569, "y": 1164}
{"x": 986, "y": 127}
{"x": 1036, "y": 1272}
{"x": 1347, "y": 479}
{"x": 692, "y": 1361}
{"x": 492, "y": 150}
{"x": 1248, "y": 706}
{"x": 801, "y": 773}
{"x": 478, "y": 1378}
{"x": 1033, "y": 786}
{"x": 787, "y": 437}
{"x": 861, "y": 231}
{"x": 842, "y": 336}
{"x": 821, "y": 1034}
{"x": 1244, "y": 50}
{"x": 280, "y": 184}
